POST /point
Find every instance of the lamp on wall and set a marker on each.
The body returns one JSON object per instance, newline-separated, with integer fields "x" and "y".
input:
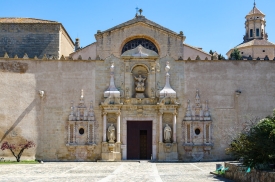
{"x": 238, "y": 92}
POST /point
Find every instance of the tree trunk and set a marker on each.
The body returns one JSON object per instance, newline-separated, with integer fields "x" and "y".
{"x": 19, "y": 155}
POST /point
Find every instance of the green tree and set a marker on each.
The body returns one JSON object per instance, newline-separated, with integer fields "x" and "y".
{"x": 235, "y": 55}
{"x": 211, "y": 52}
{"x": 221, "y": 57}
{"x": 257, "y": 145}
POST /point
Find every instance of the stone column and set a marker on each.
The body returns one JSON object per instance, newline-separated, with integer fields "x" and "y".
{"x": 93, "y": 132}
{"x": 160, "y": 128}
{"x": 69, "y": 135}
{"x": 174, "y": 127}
{"x": 118, "y": 128}
{"x": 104, "y": 127}
{"x": 74, "y": 139}
{"x": 88, "y": 137}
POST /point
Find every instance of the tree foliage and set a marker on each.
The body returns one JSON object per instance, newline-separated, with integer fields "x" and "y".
{"x": 20, "y": 148}
{"x": 221, "y": 57}
{"x": 211, "y": 52}
{"x": 235, "y": 55}
{"x": 256, "y": 146}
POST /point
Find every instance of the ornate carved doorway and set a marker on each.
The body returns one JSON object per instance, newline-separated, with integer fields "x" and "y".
{"x": 139, "y": 140}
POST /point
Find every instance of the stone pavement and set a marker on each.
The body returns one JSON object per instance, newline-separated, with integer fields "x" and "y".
{"x": 110, "y": 171}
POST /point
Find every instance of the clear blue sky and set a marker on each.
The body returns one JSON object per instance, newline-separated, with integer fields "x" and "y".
{"x": 210, "y": 24}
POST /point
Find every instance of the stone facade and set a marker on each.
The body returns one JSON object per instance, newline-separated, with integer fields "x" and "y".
{"x": 27, "y": 115}
{"x": 78, "y": 108}
{"x": 34, "y": 37}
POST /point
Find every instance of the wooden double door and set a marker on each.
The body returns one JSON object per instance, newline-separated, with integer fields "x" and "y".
{"x": 139, "y": 140}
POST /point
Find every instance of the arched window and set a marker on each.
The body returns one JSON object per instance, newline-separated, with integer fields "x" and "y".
{"x": 140, "y": 41}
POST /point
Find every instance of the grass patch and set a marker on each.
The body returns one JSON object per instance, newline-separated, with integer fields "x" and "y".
{"x": 21, "y": 162}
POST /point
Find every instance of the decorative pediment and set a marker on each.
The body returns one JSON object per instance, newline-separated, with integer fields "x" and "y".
{"x": 139, "y": 52}
{"x": 141, "y": 20}
{"x": 81, "y": 112}
{"x": 197, "y": 112}
{"x": 81, "y": 125}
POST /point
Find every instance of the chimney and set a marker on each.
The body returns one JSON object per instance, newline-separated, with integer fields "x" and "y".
{"x": 77, "y": 44}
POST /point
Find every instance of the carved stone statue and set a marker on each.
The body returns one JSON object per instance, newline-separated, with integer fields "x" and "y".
{"x": 167, "y": 134}
{"x": 111, "y": 133}
{"x": 140, "y": 86}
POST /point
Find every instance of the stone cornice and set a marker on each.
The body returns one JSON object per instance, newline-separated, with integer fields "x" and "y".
{"x": 101, "y": 34}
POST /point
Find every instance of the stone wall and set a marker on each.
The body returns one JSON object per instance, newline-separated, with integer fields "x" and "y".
{"x": 192, "y": 53}
{"x": 34, "y": 40}
{"x": 25, "y": 115}
{"x": 88, "y": 52}
{"x": 237, "y": 172}
{"x": 218, "y": 82}
{"x": 66, "y": 45}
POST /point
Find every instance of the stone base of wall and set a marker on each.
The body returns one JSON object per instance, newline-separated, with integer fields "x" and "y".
{"x": 237, "y": 172}
{"x": 111, "y": 151}
{"x": 168, "y": 152}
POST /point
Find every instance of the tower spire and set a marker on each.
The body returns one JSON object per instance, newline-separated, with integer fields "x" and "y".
{"x": 254, "y": 3}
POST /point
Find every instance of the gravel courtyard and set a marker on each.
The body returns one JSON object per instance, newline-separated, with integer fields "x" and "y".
{"x": 109, "y": 171}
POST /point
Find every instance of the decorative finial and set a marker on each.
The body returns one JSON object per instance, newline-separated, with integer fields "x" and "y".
{"x": 254, "y": 3}
{"x": 140, "y": 11}
{"x": 112, "y": 68}
{"x": 82, "y": 95}
{"x": 167, "y": 67}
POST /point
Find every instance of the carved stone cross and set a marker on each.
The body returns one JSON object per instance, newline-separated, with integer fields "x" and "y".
{"x": 140, "y": 11}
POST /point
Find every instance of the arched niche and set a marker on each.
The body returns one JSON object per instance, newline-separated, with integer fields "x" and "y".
{"x": 142, "y": 70}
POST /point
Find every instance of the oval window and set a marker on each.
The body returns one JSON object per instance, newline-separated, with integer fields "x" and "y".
{"x": 81, "y": 131}
{"x": 197, "y": 131}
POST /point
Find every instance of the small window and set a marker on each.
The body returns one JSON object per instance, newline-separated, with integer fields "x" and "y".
{"x": 257, "y": 32}
{"x": 257, "y": 17}
{"x": 197, "y": 131}
{"x": 242, "y": 52}
{"x": 81, "y": 131}
{"x": 251, "y": 32}
{"x": 263, "y": 50}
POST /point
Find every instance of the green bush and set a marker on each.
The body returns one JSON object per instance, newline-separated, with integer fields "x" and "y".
{"x": 256, "y": 146}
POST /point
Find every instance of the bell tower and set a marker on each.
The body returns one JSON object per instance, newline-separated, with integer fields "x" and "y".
{"x": 255, "y": 25}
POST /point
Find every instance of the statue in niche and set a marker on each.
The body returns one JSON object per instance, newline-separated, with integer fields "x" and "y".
{"x": 111, "y": 133}
{"x": 167, "y": 134}
{"x": 140, "y": 86}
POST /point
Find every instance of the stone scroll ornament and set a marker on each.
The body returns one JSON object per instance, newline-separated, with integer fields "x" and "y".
{"x": 15, "y": 67}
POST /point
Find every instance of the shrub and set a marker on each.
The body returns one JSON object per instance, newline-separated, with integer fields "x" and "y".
{"x": 257, "y": 145}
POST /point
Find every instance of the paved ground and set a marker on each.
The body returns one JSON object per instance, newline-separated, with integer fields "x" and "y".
{"x": 109, "y": 171}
